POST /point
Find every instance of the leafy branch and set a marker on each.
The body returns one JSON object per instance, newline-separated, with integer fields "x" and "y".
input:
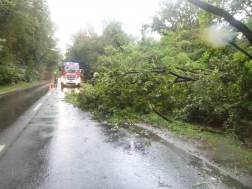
{"x": 224, "y": 14}
{"x": 230, "y": 19}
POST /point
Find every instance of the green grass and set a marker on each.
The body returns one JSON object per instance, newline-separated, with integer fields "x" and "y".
{"x": 6, "y": 88}
{"x": 71, "y": 97}
{"x": 86, "y": 85}
{"x": 11, "y": 87}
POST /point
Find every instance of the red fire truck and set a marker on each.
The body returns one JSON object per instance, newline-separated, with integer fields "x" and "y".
{"x": 70, "y": 74}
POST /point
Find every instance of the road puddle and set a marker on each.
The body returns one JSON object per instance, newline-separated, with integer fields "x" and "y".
{"x": 158, "y": 153}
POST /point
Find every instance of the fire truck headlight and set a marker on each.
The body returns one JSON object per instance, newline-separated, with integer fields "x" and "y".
{"x": 77, "y": 79}
{"x": 63, "y": 79}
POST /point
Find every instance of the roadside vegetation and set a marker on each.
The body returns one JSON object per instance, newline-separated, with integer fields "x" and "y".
{"x": 19, "y": 85}
{"x": 27, "y": 45}
{"x": 196, "y": 79}
{"x": 227, "y": 149}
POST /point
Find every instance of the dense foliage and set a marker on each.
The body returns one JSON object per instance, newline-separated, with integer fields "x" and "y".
{"x": 199, "y": 71}
{"x": 27, "y": 45}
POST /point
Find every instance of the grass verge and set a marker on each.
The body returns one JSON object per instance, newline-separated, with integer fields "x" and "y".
{"x": 86, "y": 85}
{"x": 11, "y": 87}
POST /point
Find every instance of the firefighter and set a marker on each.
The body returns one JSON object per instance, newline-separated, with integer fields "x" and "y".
{"x": 55, "y": 81}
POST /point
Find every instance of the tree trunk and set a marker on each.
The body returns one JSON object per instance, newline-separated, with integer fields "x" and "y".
{"x": 224, "y": 14}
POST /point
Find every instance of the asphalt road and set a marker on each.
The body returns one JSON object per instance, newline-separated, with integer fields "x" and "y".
{"x": 13, "y": 104}
{"x": 55, "y": 145}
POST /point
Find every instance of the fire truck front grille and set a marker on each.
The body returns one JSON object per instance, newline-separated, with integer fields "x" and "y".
{"x": 71, "y": 77}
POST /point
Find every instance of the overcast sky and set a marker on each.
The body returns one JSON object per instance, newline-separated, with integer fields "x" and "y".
{"x": 71, "y": 15}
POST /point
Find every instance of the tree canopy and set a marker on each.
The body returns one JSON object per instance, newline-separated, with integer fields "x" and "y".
{"x": 199, "y": 71}
{"x": 28, "y": 47}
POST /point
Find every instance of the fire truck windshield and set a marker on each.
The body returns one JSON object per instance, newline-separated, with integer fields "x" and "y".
{"x": 72, "y": 69}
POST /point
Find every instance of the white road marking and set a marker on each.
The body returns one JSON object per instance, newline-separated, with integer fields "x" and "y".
{"x": 1, "y": 147}
{"x": 49, "y": 94}
{"x": 37, "y": 107}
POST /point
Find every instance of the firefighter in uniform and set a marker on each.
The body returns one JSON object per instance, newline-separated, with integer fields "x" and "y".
{"x": 55, "y": 80}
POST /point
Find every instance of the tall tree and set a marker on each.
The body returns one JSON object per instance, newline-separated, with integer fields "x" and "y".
{"x": 226, "y": 15}
{"x": 28, "y": 33}
{"x": 175, "y": 14}
{"x": 114, "y": 35}
{"x": 85, "y": 50}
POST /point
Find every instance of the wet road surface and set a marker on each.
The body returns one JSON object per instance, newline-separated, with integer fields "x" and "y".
{"x": 55, "y": 145}
{"x": 13, "y": 104}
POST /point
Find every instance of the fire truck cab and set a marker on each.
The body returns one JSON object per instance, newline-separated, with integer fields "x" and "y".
{"x": 70, "y": 74}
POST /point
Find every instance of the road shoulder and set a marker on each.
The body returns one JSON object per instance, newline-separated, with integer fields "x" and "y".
{"x": 200, "y": 149}
{"x": 29, "y": 85}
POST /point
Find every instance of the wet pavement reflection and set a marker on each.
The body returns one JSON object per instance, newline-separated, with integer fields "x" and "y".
{"x": 64, "y": 147}
{"x": 13, "y": 104}
{"x": 160, "y": 155}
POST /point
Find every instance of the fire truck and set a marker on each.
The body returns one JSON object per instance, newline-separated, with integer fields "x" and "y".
{"x": 70, "y": 74}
